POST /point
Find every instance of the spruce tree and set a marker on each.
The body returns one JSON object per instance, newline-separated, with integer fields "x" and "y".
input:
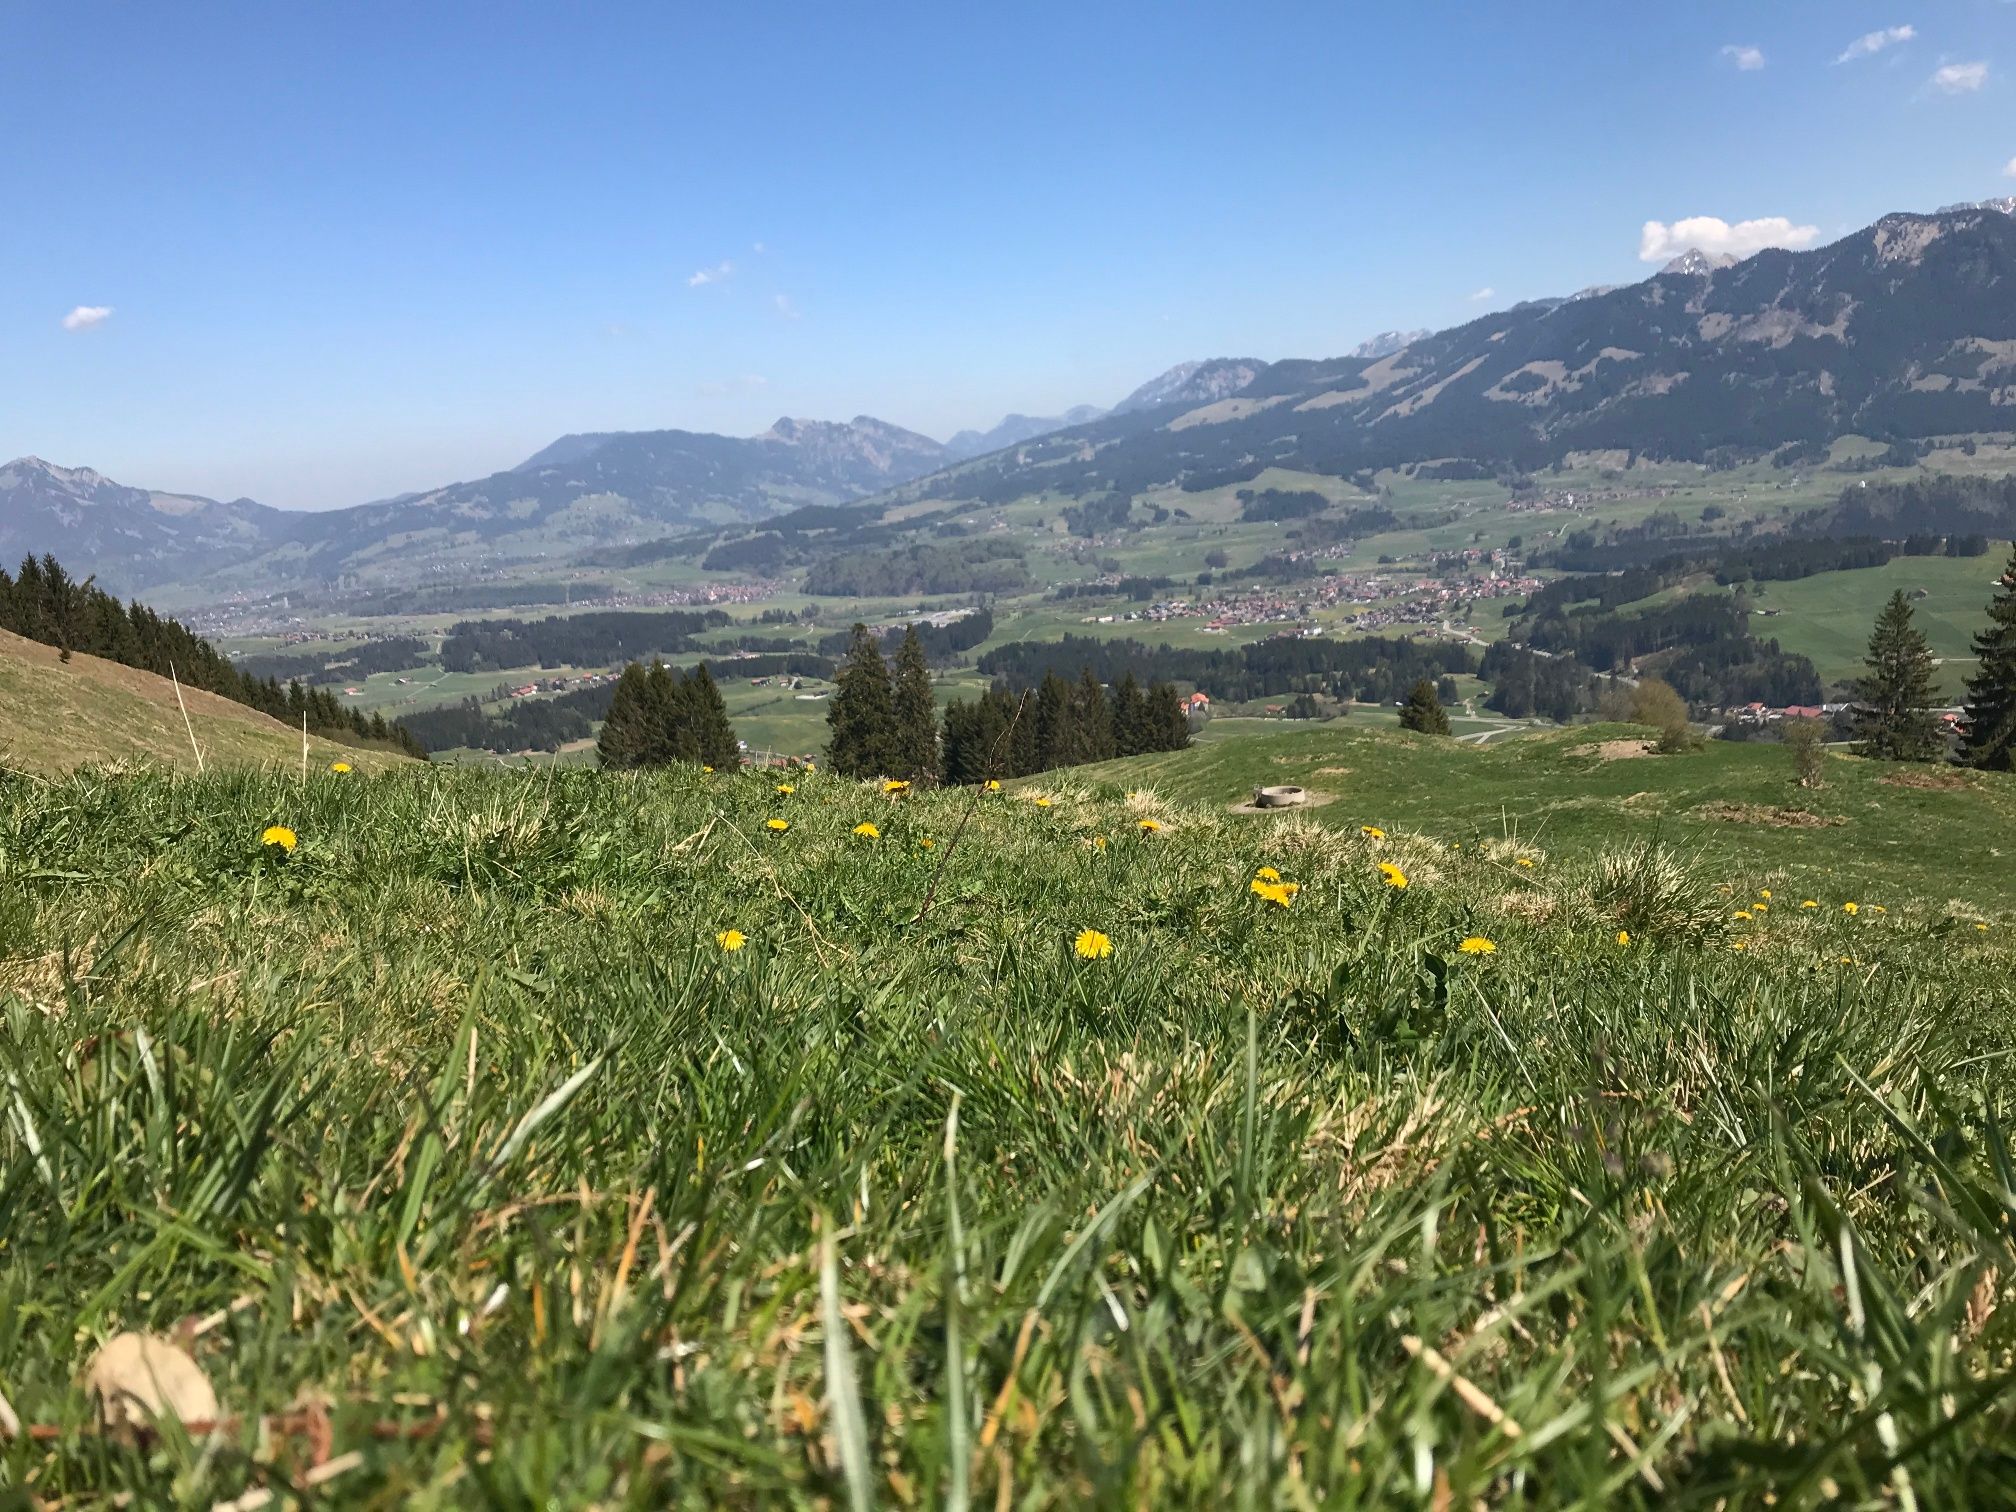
{"x": 1130, "y": 718}
{"x": 1990, "y": 742}
{"x": 862, "y": 713}
{"x": 1052, "y": 713}
{"x": 668, "y": 723}
{"x": 916, "y": 714}
{"x": 1423, "y": 712}
{"x": 1168, "y": 722}
{"x": 714, "y": 736}
{"x": 1091, "y": 721}
{"x": 626, "y": 730}
{"x": 1894, "y": 722}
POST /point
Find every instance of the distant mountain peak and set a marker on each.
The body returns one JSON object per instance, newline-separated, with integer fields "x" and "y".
{"x": 1015, "y": 429}
{"x": 1694, "y": 263}
{"x": 1386, "y": 343}
{"x": 2006, "y": 205}
{"x": 1193, "y": 383}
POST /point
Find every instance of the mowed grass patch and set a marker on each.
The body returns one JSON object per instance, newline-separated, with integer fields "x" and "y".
{"x": 1538, "y": 1180}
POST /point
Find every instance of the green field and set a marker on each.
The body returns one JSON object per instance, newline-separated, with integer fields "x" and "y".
{"x": 475, "y": 1171}
{"x": 1828, "y": 616}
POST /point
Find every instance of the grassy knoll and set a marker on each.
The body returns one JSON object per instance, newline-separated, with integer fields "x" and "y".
{"x": 1865, "y": 834}
{"x": 460, "y": 1120}
{"x": 55, "y": 715}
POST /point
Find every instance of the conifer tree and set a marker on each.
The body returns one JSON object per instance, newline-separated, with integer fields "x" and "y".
{"x": 1894, "y": 722}
{"x": 1130, "y": 718}
{"x": 1990, "y": 742}
{"x": 1423, "y": 712}
{"x": 1052, "y": 713}
{"x": 862, "y": 713}
{"x": 915, "y": 712}
{"x": 626, "y": 732}
{"x": 714, "y": 736}
{"x": 1091, "y": 733}
{"x": 1168, "y": 722}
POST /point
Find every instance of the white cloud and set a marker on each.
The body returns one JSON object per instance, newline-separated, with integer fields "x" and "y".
{"x": 721, "y": 272}
{"x": 1748, "y": 59}
{"x": 1871, "y": 43}
{"x": 1960, "y": 78}
{"x": 1484, "y": 293}
{"x": 785, "y": 307}
{"x": 85, "y": 317}
{"x": 1715, "y": 236}
{"x": 2010, "y": 171}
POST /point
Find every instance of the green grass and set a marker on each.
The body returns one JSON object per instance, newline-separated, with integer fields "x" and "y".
{"x": 1828, "y": 617}
{"x": 1724, "y": 802}
{"x": 458, "y": 1120}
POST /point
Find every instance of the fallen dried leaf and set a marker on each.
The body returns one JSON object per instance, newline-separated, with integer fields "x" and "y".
{"x": 136, "y": 1380}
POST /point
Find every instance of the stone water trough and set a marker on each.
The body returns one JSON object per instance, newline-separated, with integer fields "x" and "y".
{"x": 1279, "y": 797}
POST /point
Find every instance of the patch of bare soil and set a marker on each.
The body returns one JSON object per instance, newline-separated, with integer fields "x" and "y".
{"x": 1332, "y": 772}
{"x": 1770, "y": 818}
{"x": 1614, "y": 750}
{"x": 1931, "y": 782}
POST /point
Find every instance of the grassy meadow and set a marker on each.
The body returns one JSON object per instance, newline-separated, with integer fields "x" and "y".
{"x": 1019, "y": 1153}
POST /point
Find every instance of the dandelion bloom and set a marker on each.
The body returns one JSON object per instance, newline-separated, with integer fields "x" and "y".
{"x": 1764, "y": 892}
{"x": 1280, "y": 894}
{"x": 1525, "y": 860}
{"x": 895, "y": 785}
{"x": 1738, "y": 944}
{"x": 280, "y": 835}
{"x": 1851, "y": 908}
{"x": 867, "y": 831}
{"x": 993, "y": 784}
{"x": 1477, "y": 945}
{"x": 1982, "y": 927}
{"x": 786, "y": 789}
{"x": 1760, "y": 908}
{"x": 1098, "y": 842}
{"x": 1742, "y": 916}
{"x": 1371, "y": 832}
{"x": 1091, "y": 945}
{"x": 1042, "y": 803}
{"x": 709, "y": 771}
{"x": 1268, "y": 874}
{"x": 1877, "y": 908}
{"x": 927, "y": 842}
{"x": 1149, "y": 826}
{"x": 1809, "y": 903}
{"x": 1393, "y": 875}
{"x": 777, "y": 826}
{"x": 1623, "y": 937}
{"x": 339, "y": 767}
{"x": 731, "y": 939}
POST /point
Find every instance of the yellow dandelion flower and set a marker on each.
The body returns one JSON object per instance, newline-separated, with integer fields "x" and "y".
{"x": 1982, "y": 927}
{"x": 1851, "y": 908}
{"x": 867, "y": 831}
{"x": 1525, "y": 860}
{"x": 1738, "y": 944}
{"x": 927, "y": 842}
{"x": 1393, "y": 875}
{"x": 1042, "y": 803}
{"x": 340, "y": 768}
{"x": 1098, "y": 842}
{"x": 1742, "y": 916}
{"x": 731, "y": 939}
{"x": 1877, "y": 908}
{"x": 1280, "y": 894}
{"x": 280, "y": 835}
{"x": 1291, "y": 888}
{"x": 1764, "y": 892}
{"x": 1809, "y": 903}
{"x": 1371, "y": 832}
{"x": 1623, "y": 937}
{"x": 707, "y": 771}
{"x": 1149, "y": 827}
{"x": 786, "y": 789}
{"x": 1760, "y": 908}
{"x": 1091, "y": 945}
{"x": 777, "y": 826}
{"x": 993, "y": 785}
{"x": 1477, "y": 945}
{"x": 895, "y": 785}
{"x": 1268, "y": 874}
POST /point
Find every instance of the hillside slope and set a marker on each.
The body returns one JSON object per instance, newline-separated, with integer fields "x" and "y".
{"x": 1874, "y": 830}
{"x": 56, "y": 715}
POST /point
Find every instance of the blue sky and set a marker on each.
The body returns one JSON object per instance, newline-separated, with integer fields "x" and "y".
{"x": 352, "y": 249}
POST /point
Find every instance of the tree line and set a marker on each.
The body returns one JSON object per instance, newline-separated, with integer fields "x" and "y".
{"x": 596, "y": 639}
{"x": 43, "y": 602}
{"x": 393, "y": 654}
{"x": 659, "y": 717}
{"x": 1374, "y": 670}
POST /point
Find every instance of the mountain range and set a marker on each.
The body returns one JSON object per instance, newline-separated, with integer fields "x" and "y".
{"x": 1904, "y": 329}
